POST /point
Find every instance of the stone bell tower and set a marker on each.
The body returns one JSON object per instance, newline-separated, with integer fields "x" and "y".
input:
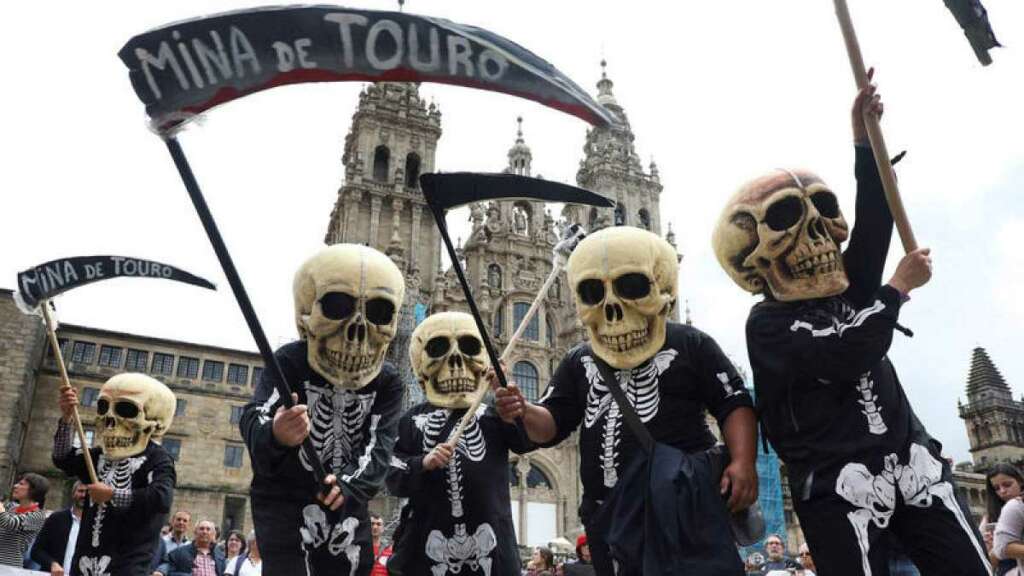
{"x": 994, "y": 420}
{"x": 391, "y": 142}
{"x": 611, "y": 167}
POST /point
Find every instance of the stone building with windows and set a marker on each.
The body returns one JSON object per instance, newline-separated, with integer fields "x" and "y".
{"x": 211, "y": 385}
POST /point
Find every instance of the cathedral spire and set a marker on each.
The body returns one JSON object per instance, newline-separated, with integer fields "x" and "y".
{"x": 519, "y": 155}
{"x": 604, "y": 87}
{"x": 984, "y": 376}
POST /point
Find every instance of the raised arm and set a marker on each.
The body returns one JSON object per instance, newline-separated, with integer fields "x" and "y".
{"x": 865, "y": 255}
{"x": 556, "y": 416}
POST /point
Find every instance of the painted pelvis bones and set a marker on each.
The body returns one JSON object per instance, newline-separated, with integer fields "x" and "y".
{"x": 338, "y": 538}
{"x": 919, "y": 483}
{"x": 462, "y": 550}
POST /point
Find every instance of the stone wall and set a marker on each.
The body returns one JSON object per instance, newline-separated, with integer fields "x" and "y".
{"x": 22, "y": 342}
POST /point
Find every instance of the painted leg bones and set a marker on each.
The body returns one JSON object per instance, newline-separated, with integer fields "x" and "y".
{"x": 919, "y": 483}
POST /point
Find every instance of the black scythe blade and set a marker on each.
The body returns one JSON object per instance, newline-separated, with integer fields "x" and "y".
{"x": 444, "y": 191}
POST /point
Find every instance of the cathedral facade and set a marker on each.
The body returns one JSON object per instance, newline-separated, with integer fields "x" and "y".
{"x": 507, "y": 257}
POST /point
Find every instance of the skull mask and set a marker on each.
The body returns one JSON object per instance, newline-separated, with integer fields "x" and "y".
{"x": 625, "y": 280}
{"x": 780, "y": 234}
{"x": 449, "y": 359}
{"x": 347, "y": 298}
{"x": 130, "y": 410}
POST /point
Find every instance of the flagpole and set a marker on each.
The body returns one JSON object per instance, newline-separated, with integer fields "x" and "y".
{"x": 241, "y": 296}
{"x": 59, "y": 358}
{"x": 874, "y": 130}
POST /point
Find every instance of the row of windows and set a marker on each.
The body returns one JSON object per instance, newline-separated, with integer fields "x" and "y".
{"x": 162, "y": 363}
{"x": 90, "y": 396}
{"x": 232, "y": 452}
{"x": 532, "y": 331}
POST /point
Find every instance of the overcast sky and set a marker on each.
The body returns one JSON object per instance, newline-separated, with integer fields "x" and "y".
{"x": 716, "y": 92}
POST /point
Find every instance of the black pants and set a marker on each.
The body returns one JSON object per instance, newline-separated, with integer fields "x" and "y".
{"x": 305, "y": 539}
{"x": 849, "y": 514}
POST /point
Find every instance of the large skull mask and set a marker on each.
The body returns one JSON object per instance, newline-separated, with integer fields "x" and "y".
{"x": 625, "y": 280}
{"x": 130, "y": 410}
{"x": 780, "y": 234}
{"x": 347, "y": 298}
{"x": 449, "y": 359}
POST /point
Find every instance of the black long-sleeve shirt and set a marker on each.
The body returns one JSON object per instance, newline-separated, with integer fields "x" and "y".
{"x": 826, "y": 392}
{"x": 119, "y": 537}
{"x": 670, "y": 393}
{"x": 353, "y": 431}
{"x": 459, "y": 514}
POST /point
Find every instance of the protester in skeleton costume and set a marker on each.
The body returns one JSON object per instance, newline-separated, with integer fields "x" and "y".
{"x": 458, "y": 519}
{"x": 120, "y": 526}
{"x": 625, "y": 281}
{"x": 348, "y": 401}
{"x": 860, "y": 463}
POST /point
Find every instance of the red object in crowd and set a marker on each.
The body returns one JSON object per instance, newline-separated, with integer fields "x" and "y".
{"x": 380, "y": 560}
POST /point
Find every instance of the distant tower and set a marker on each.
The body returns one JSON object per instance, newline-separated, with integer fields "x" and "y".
{"x": 519, "y": 155}
{"x": 612, "y": 168}
{"x": 994, "y": 420}
{"x": 391, "y": 142}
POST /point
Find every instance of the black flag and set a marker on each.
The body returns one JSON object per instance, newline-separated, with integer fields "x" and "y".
{"x": 973, "y": 18}
{"x": 56, "y": 276}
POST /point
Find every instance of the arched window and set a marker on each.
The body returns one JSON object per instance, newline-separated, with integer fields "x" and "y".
{"x": 412, "y": 170}
{"x": 592, "y": 220}
{"x": 513, "y": 474}
{"x": 550, "y": 327}
{"x": 381, "y": 163}
{"x": 499, "y": 323}
{"x": 620, "y": 215}
{"x": 527, "y": 379}
{"x": 537, "y": 478}
{"x": 532, "y": 331}
{"x": 645, "y": 218}
{"x": 494, "y": 276}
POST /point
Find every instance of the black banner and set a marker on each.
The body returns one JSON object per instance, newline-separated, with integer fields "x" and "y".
{"x": 973, "y": 18}
{"x": 188, "y": 67}
{"x": 57, "y": 276}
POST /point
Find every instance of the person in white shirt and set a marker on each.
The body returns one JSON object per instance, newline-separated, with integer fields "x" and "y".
{"x": 248, "y": 563}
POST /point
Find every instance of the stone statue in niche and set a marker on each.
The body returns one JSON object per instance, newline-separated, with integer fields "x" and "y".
{"x": 494, "y": 276}
{"x": 520, "y": 221}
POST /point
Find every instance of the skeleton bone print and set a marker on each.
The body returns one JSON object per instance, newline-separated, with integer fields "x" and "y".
{"x": 919, "y": 483}
{"x": 640, "y": 386}
{"x": 94, "y": 566}
{"x": 336, "y": 418}
{"x": 471, "y": 445}
{"x": 339, "y": 538}
{"x": 451, "y": 554}
{"x": 118, "y": 475}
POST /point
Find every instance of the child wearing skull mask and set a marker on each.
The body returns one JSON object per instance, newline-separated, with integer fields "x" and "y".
{"x": 458, "y": 519}
{"x": 861, "y": 466}
{"x": 122, "y": 518}
{"x": 347, "y": 401}
{"x": 625, "y": 281}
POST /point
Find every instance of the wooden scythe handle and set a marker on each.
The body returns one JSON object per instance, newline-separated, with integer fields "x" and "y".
{"x": 892, "y": 193}
{"x": 59, "y": 358}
